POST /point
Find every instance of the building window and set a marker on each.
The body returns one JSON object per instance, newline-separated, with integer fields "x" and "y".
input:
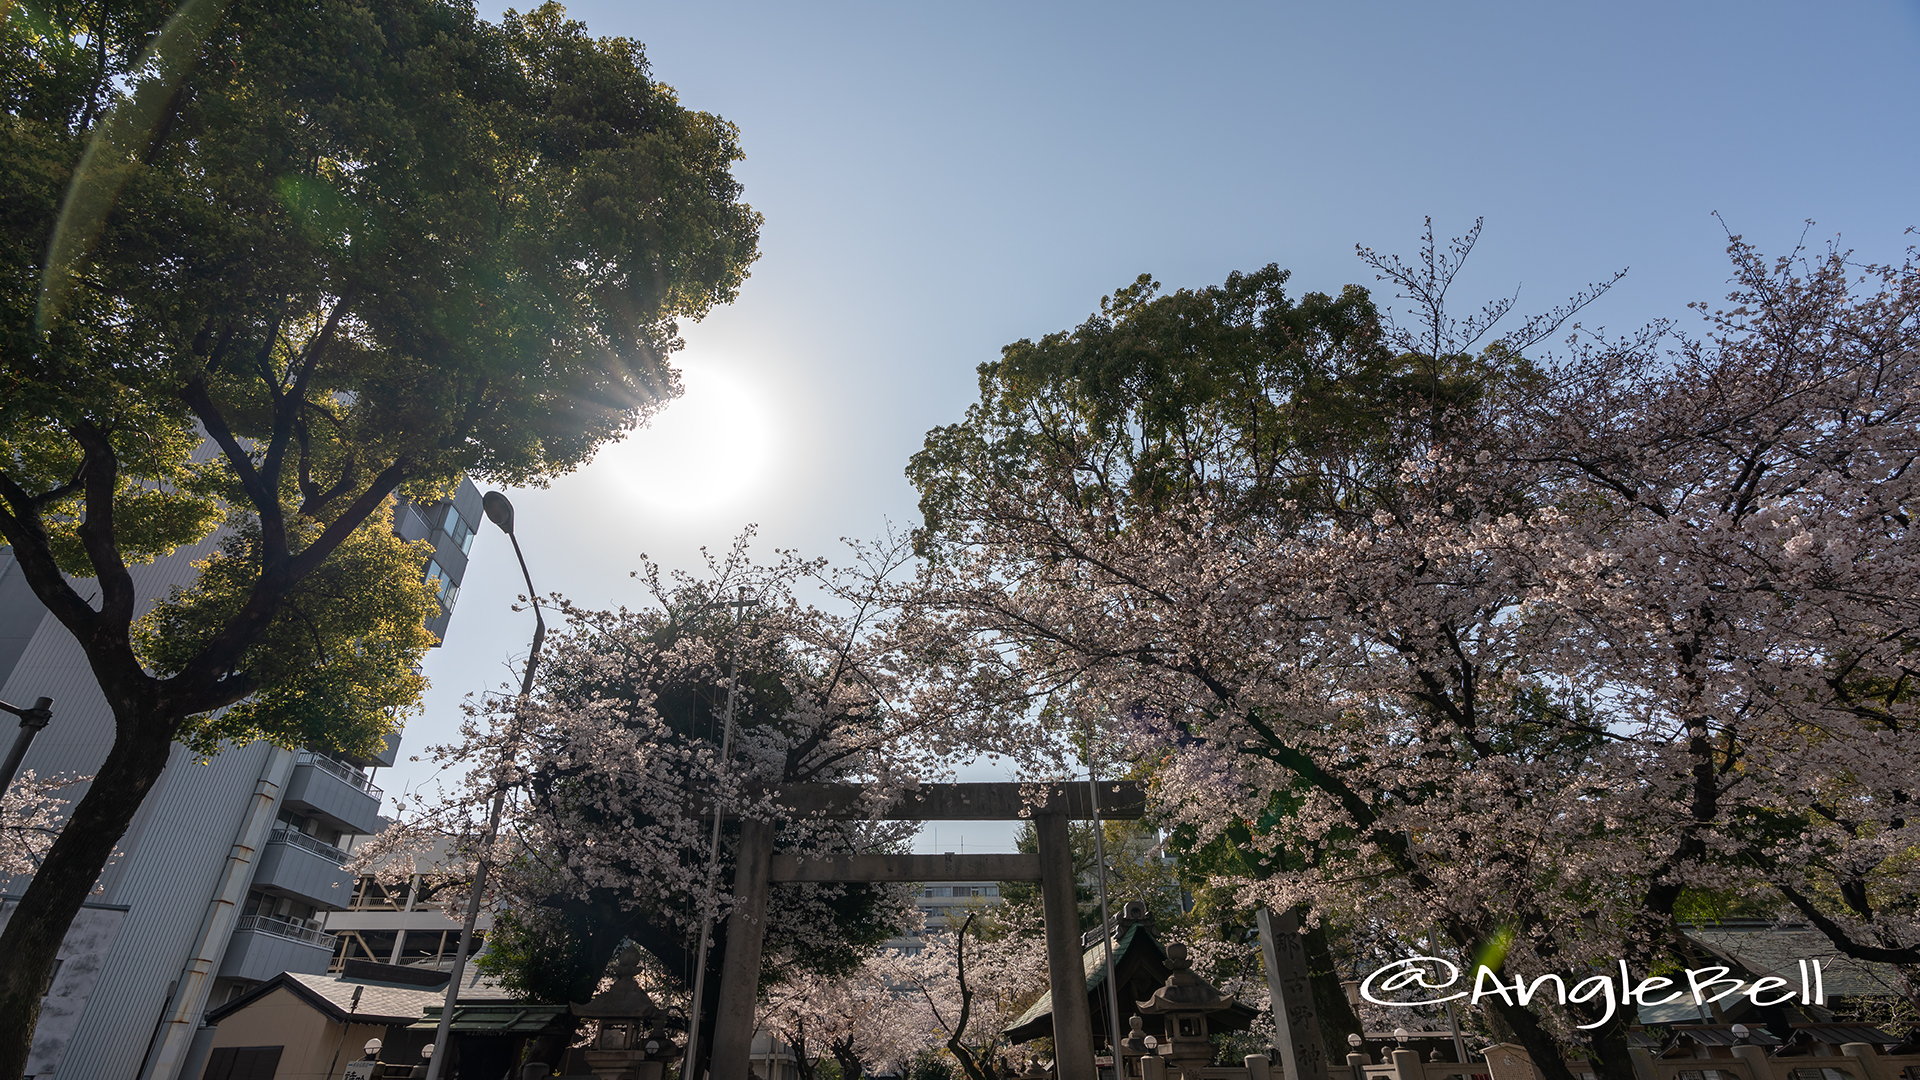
{"x": 282, "y": 908}
{"x": 457, "y": 529}
{"x": 443, "y": 584}
{"x": 312, "y": 826}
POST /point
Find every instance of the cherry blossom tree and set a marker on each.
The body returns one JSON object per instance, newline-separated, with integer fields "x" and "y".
{"x": 30, "y": 818}
{"x": 975, "y": 984}
{"x": 1553, "y": 647}
{"x": 616, "y": 769}
{"x": 869, "y": 1020}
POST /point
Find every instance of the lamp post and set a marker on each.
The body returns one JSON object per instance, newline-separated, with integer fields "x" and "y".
{"x": 500, "y": 512}
{"x": 32, "y": 719}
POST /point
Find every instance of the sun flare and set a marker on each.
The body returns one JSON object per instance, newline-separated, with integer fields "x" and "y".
{"x": 703, "y": 451}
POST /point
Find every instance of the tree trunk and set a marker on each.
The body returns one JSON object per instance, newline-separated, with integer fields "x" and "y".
{"x": 851, "y": 1068}
{"x": 797, "y": 1042}
{"x": 1610, "y": 1048}
{"x": 66, "y": 877}
{"x": 672, "y": 951}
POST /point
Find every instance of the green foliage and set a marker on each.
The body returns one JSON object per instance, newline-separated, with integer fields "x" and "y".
{"x": 161, "y": 501}
{"x": 339, "y": 663}
{"x": 545, "y": 955}
{"x": 365, "y": 248}
{"x": 268, "y": 264}
{"x": 931, "y": 1065}
{"x": 1271, "y": 408}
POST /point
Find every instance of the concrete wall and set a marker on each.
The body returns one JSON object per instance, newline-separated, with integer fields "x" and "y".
{"x": 83, "y": 953}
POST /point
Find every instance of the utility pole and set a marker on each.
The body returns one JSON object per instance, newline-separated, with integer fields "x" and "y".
{"x": 690, "y": 1061}
{"x": 1107, "y": 926}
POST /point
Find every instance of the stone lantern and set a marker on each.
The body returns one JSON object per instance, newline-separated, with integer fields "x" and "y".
{"x": 1184, "y": 1003}
{"x": 629, "y": 1045}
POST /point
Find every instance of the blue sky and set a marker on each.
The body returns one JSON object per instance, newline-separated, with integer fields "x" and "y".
{"x": 940, "y": 180}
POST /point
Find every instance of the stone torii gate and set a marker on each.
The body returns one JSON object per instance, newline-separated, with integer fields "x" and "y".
{"x": 1049, "y": 806}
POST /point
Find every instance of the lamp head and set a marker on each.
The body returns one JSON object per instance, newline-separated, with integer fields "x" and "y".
{"x": 1741, "y": 1031}
{"x": 372, "y": 1048}
{"x": 499, "y": 510}
{"x": 1401, "y": 1034}
{"x": 1354, "y": 1040}
{"x": 426, "y": 1051}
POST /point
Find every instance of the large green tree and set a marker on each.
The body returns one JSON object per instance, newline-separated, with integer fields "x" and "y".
{"x": 354, "y": 249}
{"x": 1567, "y": 649}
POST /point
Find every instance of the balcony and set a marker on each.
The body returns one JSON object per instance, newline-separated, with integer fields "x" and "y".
{"x": 296, "y": 864}
{"x": 263, "y": 947}
{"x": 324, "y": 786}
{"x": 409, "y": 524}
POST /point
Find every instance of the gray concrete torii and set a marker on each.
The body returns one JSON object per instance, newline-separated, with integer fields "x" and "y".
{"x": 1050, "y": 806}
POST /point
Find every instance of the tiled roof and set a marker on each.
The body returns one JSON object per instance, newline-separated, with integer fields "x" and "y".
{"x": 1093, "y": 961}
{"x": 380, "y": 1002}
{"x": 1770, "y": 950}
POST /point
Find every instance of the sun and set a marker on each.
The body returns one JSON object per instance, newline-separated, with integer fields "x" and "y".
{"x": 701, "y": 453}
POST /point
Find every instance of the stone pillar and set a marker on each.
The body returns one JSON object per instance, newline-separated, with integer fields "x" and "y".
{"x": 1258, "y": 1068}
{"x": 1407, "y": 1066}
{"x": 1296, "y": 1024}
{"x": 1072, "y": 1026}
{"x": 1153, "y": 1067}
{"x": 1756, "y": 1059}
{"x": 1864, "y": 1055}
{"x": 1357, "y": 1063}
{"x": 740, "y": 970}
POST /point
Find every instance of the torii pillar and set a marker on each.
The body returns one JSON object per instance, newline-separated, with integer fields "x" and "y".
{"x": 1072, "y": 1027}
{"x": 1050, "y": 806}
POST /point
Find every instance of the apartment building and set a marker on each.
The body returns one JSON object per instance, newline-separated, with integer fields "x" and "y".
{"x": 943, "y": 907}
{"x": 229, "y": 872}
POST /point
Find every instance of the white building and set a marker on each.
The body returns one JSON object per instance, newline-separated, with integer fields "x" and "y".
{"x": 231, "y": 867}
{"x": 943, "y": 907}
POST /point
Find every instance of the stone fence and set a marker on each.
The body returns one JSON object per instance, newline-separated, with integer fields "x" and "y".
{"x": 1853, "y": 1061}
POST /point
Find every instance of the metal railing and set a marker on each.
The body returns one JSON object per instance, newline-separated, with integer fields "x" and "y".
{"x": 284, "y": 835}
{"x": 267, "y": 924}
{"x": 344, "y": 772}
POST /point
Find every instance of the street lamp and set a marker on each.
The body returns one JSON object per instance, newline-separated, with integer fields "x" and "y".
{"x": 32, "y": 719}
{"x": 500, "y": 512}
